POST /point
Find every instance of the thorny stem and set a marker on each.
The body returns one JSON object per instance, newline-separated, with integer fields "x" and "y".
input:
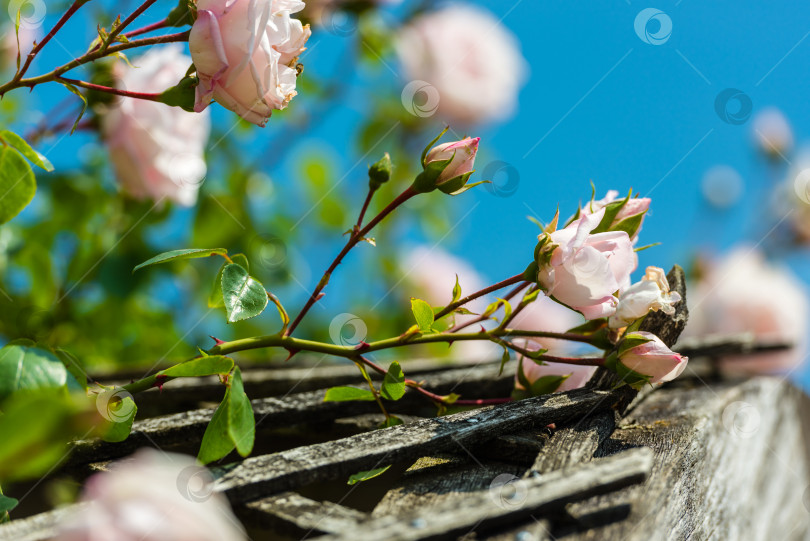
{"x": 110, "y": 90}
{"x": 355, "y": 237}
{"x": 74, "y": 7}
{"x": 31, "y": 82}
{"x": 126, "y": 22}
{"x": 148, "y": 28}
{"x": 494, "y": 287}
{"x": 480, "y": 319}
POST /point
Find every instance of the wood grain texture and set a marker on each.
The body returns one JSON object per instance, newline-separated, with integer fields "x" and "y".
{"x": 503, "y": 506}
{"x": 731, "y": 462}
{"x": 259, "y": 476}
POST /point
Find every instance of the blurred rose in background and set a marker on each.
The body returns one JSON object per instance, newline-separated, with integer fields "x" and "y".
{"x": 743, "y": 292}
{"x": 152, "y": 496}
{"x": 471, "y": 59}
{"x": 156, "y": 150}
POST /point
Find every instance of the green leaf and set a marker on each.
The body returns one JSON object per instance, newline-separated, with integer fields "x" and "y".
{"x": 547, "y": 384}
{"x": 507, "y": 308}
{"x": 232, "y": 426}
{"x": 176, "y": 255}
{"x": 393, "y": 385}
{"x": 630, "y": 341}
{"x": 17, "y": 184}
{"x": 204, "y": 366}
{"x": 241, "y": 423}
{"x": 25, "y": 149}
{"x": 75, "y": 369}
{"x": 391, "y": 421}
{"x": 244, "y": 296}
{"x": 35, "y": 429}
{"x": 345, "y": 394}
{"x": 7, "y": 504}
{"x": 75, "y": 91}
{"x": 120, "y": 415}
{"x": 215, "y": 299}
{"x": 464, "y": 311}
{"x": 26, "y": 367}
{"x": 456, "y": 291}
{"x": 589, "y": 327}
{"x": 366, "y": 475}
{"x": 630, "y": 225}
{"x": 423, "y": 314}
{"x": 216, "y": 442}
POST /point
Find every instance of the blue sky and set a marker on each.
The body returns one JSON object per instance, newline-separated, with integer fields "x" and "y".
{"x": 602, "y": 105}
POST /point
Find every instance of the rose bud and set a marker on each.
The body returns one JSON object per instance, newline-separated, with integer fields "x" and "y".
{"x": 245, "y": 54}
{"x": 650, "y": 294}
{"x": 643, "y": 357}
{"x": 448, "y": 167}
{"x": 379, "y": 172}
{"x": 625, "y": 214}
{"x": 155, "y": 150}
{"x": 584, "y": 270}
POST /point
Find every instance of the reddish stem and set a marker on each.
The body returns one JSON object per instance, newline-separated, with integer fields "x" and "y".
{"x": 365, "y": 207}
{"x": 433, "y": 396}
{"x": 111, "y": 90}
{"x": 148, "y": 28}
{"x": 74, "y": 7}
{"x": 126, "y": 22}
{"x": 494, "y": 287}
{"x": 479, "y": 319}
{"x": 356, "y": 236}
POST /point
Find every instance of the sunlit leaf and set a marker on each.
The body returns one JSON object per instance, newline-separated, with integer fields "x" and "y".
{"x": 25, "y": 149}
{"x": 366, "y": 475}
{"x": 244, "y": 296}
{"x": 176, "y": 255}
{"x": 345, "y": 394}
{"x": 393, "y": 385}
{"x": 17, "y": 184}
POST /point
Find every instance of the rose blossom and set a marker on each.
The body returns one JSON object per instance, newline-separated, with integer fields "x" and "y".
{"x": 650, "y": 294}
{"x": 469, "y": 58}
{"x": 584, "y": 271}
{"x": 463, "y": 153}
{"x": 652, "y": 359}
{"x": 245, "y": 53}
{"x": 153, "y": 496}
{"x": 156, "y": 150}
{"x": 744, "y": 293}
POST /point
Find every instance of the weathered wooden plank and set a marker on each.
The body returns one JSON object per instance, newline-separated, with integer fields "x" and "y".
{"x": 294, "y": 515}
{"x": 438, "y": 479}
{"x": 38, "y": 527}
{"x": 731, "y": 462}
{"x": 573, "y": 444}
{"x": 179, "y": 428}
{"x": 259, "y": 476}
{"x": 483, "y": 510}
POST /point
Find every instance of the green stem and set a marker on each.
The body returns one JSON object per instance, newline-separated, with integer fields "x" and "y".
{"x": 494, "y": 287}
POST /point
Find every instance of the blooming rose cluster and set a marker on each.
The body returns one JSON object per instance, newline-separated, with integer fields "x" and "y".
{"x": 245, "y": 53}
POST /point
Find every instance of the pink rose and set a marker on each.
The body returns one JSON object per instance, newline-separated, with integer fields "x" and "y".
{"x": 152, "y": 496}
{"x": 156, "y": 150}
{"x": 650, "y": 294}
{"x": 468, "y": 59}
{"x": 245, "y": 53}
{"x": 584, "y": 271}
{"x": 652, "y": 359}
{"x": 744, "y": 293}
{"x": 463, "y": 153}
